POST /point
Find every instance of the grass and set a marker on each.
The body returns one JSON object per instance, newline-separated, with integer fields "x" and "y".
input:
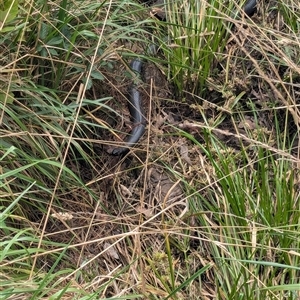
{"x": 205, "y": 207}
{"x": 193, "y": 42}
{"x": 255, "y": 218}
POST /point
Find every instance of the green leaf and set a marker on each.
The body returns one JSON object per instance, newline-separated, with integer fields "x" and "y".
{"x": 8, "y": 10}
{"x": 7, "y": 29}
{"x": 97, "y": 75}
{"x": 89, "y": 34}
{"x": 7, "y": 98}
{"x": 57, "y": 40}
{"x": 44, "y": 31}
{"x": 89, "y": 83}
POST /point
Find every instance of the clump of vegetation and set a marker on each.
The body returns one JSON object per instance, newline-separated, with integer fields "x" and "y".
{"x": 205, "y": 207}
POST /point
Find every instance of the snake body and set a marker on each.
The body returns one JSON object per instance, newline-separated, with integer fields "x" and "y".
{"x": 135, "y": 102}
{"x": 250, "y": 7}
{"x": 135, "y": 109}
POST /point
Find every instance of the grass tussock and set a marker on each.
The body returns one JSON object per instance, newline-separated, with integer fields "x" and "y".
{"x": 206, "y": 206}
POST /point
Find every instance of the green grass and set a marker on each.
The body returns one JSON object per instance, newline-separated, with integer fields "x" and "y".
{"x": 194, "y": 42}
{"x": 255, "y": 216}
{"x": 76, "y": 224}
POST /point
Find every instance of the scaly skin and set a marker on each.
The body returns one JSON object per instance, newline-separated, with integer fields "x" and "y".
{"x": 135, "y": 111}
{"x": 250, "y": 7}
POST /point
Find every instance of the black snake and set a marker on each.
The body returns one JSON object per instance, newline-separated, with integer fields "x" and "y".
{"x": 135, "y": 103}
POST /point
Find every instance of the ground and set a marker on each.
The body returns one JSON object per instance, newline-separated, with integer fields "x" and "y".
{"x": 147, "y": 193}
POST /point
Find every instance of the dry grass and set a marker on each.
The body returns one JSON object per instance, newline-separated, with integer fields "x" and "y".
{"x": 205, "y": 207}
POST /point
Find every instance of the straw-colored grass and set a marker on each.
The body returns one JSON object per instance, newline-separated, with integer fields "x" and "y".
{"x": 206, "y": 206}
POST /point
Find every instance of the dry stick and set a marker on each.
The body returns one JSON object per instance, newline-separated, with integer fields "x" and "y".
{"x": 142, "y": 203}
{"x": 80, "y": 97}
{"x": 87, "y": 232}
